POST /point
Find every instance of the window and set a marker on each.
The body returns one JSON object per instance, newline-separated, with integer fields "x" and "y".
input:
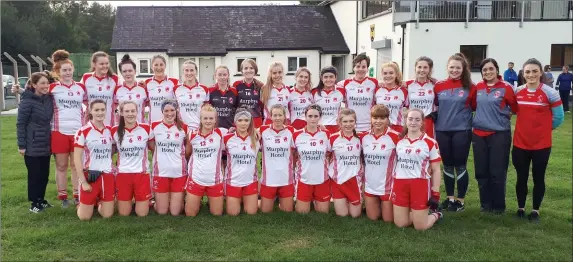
{"x": 375, "y": 7}
{"x": 353, "y": 57}
{"x": 474, "y": 53}
{"x": 145, "y": 67}
{"x": 294, "y": 63}
{"x": 240, "y": 61}
{"x": 561, "y": 55}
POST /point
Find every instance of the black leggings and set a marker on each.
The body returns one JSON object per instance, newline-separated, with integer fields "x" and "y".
{"x": 454, "y": 149}
{"x": 38, "y": 173}
{"x": 521, "y": 159}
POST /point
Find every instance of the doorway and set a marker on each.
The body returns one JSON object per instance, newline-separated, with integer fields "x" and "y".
{"x": 207, "y": 71}
{"x": 338, "y": 63}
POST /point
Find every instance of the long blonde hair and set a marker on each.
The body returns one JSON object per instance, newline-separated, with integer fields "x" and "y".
{"x": 266, "y": 89}
{"x": 346, "y": 112}
{"x": 305, "y": 70}
{"x": 405, "y": 127}
{"x": 397, "y": 72}
{"x": 204, "y": 109}
{"x": 280, "y": 107}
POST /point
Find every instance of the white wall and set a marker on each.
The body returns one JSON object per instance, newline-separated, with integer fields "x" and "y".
{"x": 505, "y": 41}
{"x": 345, "y": 14}
{"x": 382, "y": 29}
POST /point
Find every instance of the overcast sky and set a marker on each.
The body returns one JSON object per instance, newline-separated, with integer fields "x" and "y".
{"x": 192, "y": 3}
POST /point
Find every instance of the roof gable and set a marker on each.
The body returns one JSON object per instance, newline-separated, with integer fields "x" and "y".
{"x": 215, "y": 30}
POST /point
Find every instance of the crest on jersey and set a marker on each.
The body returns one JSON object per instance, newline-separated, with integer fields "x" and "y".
{"x": 395, "y": 97}
{"x": 108, "y": 87}
{"x": 418, "y": 151}
{"x": 210, "y": 140}
{"x": 230, "y": 100}
{"x": 78, "y": 93}
{"x": 335, "y": 99}
{"x": 540, "y": 99}
{"x": 496, "y": 94}
{"x": 285, "y": 138}
{"x": 321, "y": 142}
{"x": 461, "y": 93}
{"x": 177, "y": 135}
{"x": 255, "y": 92}
{"x": 368, "y": 89}
{"x": 167, "y": 89}
{"x": 138, "y": 96}
{"x": 382, "y": 146}
{"x": 138, "y": 138}
{"x": 197, "y": 95}
{"x": 357, "y": 145}
{"x": 429, "y": 92}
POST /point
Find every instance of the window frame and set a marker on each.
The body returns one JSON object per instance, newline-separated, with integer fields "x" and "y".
{"x": 562, "y": 48}
{"x": 364, "y": 8}
{"x": 149, "y": 66}
{"x": 239, "y": 73}
{"x": 474, "y": 65}
{"x": 297, "y": 63}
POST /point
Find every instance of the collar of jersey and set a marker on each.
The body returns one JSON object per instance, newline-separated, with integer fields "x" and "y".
{"x": 239, "y": 136}
{"x": 310, "y": 133}
{"x": 381, "y": 135}
{"x": 193, "y": 86}
{"x": 347, "y": 137}
{"x": 416, "y": 139}
{"x": 168, "y": 125}
{"x": 329, "y": 91}
{"x": 207, "y": 135}
{"x": 94, "y": 127}
{"x": 130, "y": 88}
{"x": 159, "y": 81}
{"x": 98, "y": 78}
{"x": 67, "y": 86}
{"x": 131, "y": 129}
{"x": 359, "y": 81}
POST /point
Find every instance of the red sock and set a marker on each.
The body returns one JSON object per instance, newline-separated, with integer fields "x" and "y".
{"x": 62, "y": 194}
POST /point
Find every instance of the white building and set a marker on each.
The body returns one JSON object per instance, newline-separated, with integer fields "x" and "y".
{"x": 509, "y": 31}
{"x": 211, "y": 36}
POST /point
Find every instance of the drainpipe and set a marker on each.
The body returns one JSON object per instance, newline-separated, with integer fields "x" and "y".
{"x": 357, "y": 19}
{"x": 403, "y": 46}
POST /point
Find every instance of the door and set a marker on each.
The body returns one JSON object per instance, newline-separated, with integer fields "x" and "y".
{"x": 383, "y": 55}
{"x": 207, "y": 71}
{"x": 338, "y": 63}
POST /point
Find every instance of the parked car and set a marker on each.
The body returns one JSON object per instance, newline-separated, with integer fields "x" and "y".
{"x": 7, "y": 82}
{"x": 22, "y": 81}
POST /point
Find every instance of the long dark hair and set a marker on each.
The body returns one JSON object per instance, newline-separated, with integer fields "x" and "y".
{"x": 126, "y": 60}
{"x": 466, "y": 74}
{"x": 121, "y": 126}
{"x": 430, "y": 64}
{"x": 328, "y": 69}
{"x": 533, "y": 61}
{"x": 92, "y": 103}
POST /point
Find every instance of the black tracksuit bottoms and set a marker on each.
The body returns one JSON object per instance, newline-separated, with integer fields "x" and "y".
{"x": 491, "y": 160}
{"x": 522, "y": 159}
{"x": 454, "y": 149}
{"x": 38, "y": 173}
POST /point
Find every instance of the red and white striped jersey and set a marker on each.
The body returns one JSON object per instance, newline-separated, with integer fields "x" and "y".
{"x": 298, "y": 102}
{"x": 421, "y": 96}
{"x": 190, "y": 99}
{"x": 157, "y": 92}
{"x": 330, "y": 102}
{"x": 379, "y": 161}
{"x": 360, "y": 98}
{"x": 312, "y": 165}
{"x": 346, "y": 161}
{"x": 278, "y": 96}
{"x": 241, "y": 160}
{"x": 169, "y": 155}
{"x": 101, "y": 88}
{"x": 205, "y": 163}
{"x": 132, "y": 152}
{"x": 395, "y": 100}
{"x": 277, "y": 161}
{"x": 415, "y": 156}
{"x": 68, "y": 111}
{"x": 137, "y": 94}
{"x": 97, "y": 145}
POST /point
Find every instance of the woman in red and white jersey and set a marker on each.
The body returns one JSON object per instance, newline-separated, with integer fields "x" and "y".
{"x": 329, "y": 98}
{"x": 249, "y": 91}
{"x": 132, "y": 179}
{"x": 170, "y": 149}
{"x": 392, "y": 95}
{"x": 69, "y": 97}
{"x": 242, "y": 147}
{"x": 277, "y": 165}
{"x": 191, "y": 96}
{"x": 129, "y": 90}
{"x": 359, "y": 91}
{"x": 378, "y": 149}
{"x": 159, "y": 88}
{"x": 416, "y": 175}
{"x": 421, "y": 93}
{"x": 101, "y": 83}
{"x": 93, "y": 149}
{"x": 300, "y": 98}
{"x": 205, "y": 168}
{"x": 275, "y": 92}
{"x": 345, "y": 166}
{"x": 312, "y": 180}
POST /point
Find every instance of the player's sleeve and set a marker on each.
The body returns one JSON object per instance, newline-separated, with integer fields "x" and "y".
{"x": 556, "y": 106}
{"x": 434, "y": 151}
{"x": 510, "y": 98}
{"x": 79, "y": 139}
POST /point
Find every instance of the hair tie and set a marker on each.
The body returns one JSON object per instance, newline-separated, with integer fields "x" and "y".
{"x": 240, "y": 114}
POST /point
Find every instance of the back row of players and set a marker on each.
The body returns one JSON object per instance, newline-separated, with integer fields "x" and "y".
{"x": 263, "y": 103}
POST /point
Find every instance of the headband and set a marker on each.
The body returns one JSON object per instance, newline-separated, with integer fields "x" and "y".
{"x": 169, "y": 102}
{"x": 242, "y": 114}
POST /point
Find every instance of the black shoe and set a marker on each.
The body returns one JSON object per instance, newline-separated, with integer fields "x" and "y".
{"x": 446, "y": 204}
{"x": 45, "y": 204}
{"x": 36, "y": 207}
{"x": 456, "y": 206}
{"x": 533, "y": 217}
{"x": 521, "y": 213}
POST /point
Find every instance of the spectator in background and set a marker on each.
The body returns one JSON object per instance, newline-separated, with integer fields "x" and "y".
{"x": 548, "y": 75}
{"x": 564, "y": 81}
{"x": 509, "y": 75}
{"x": 520, "y": 79}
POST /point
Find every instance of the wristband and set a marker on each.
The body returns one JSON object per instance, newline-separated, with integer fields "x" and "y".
{"x": 435, "y": 194}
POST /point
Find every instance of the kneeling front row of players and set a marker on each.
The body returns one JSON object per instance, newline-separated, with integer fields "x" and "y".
{"x": 399, "y": 173}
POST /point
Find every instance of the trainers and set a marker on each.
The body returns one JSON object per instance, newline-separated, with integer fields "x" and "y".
{"x": 76, "y": 201}
{"x": 446, "y": 204}
{"x": 65, "y": 203}
{"x": 456, "y": 206}
{"x": 520, "y": 213}
{"x": 440, "y": 215}
{"x": 45, "y": 204}
{"x": 533, "y": 217}
{"x": 36, "y": 208}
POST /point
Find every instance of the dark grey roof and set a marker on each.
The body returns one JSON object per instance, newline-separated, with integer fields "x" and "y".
{"x": 215, "y": 30}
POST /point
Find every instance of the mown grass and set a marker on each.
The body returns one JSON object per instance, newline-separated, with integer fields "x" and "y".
{"x": 58, "y": 235}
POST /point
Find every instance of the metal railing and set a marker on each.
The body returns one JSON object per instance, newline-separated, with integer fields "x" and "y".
{"x": 459, "y": 10}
